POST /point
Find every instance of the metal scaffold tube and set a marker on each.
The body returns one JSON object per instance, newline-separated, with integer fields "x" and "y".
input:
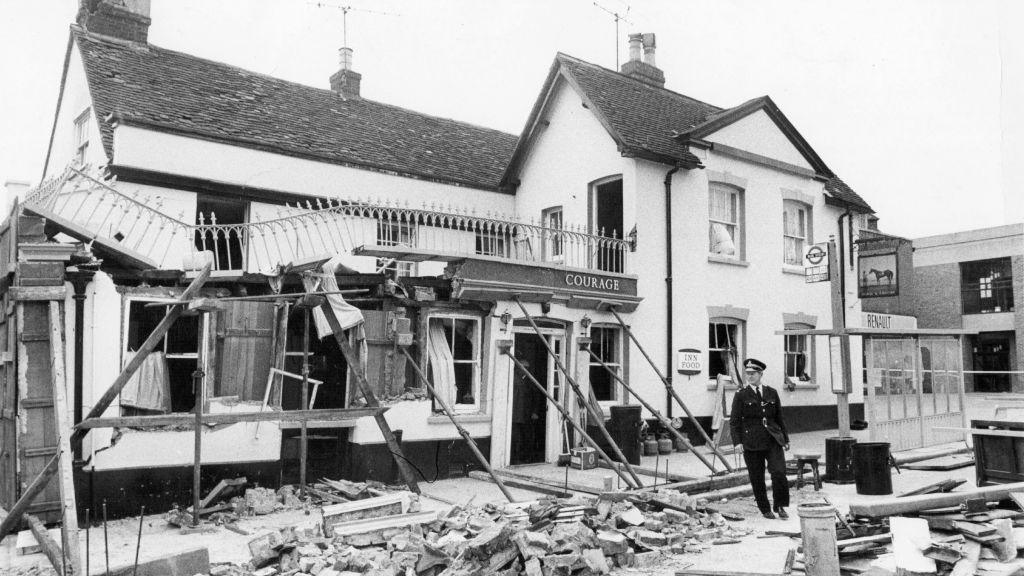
{"x": 568, "y": 418}
{"x": 597, "y": 418}
{"x": 671, "y": 391}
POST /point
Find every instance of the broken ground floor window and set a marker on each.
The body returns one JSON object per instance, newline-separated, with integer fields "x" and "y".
{"x": 164, "y": 383}
{"x": 326, "y": 364}
{"x": 606, "y": 344}
{"x": 453, "y": 351}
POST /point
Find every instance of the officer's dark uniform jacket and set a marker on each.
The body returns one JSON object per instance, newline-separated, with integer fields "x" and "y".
{"x": 749, "y": 415}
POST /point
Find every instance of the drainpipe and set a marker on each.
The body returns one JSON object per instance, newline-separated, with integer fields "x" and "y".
{"x": 668, "y": 288}
{"x": 79, "y": 280}
{"x": 842, "y": 253}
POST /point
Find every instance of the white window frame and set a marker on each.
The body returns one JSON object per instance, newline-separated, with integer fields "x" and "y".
{"x": 741, "y": 327}
{"x": 802, "y": 238}
{"x": 203, "y": 327}
{"x": 477, "y": 404}
{"x": 553, "y": 219}
{"x": 618, "y": 362}
{"x": 82, "y": 127}
{"x": 738, "y": 231}
{"x": 406, "y": 236}
{"x": 793, "y": 381}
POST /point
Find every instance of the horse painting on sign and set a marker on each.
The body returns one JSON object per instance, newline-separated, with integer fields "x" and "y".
{"x": 878, "y": 275}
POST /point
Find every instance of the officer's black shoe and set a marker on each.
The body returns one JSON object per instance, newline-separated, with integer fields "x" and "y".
{"x": 782, "y": 513}
{"x": 768, "y": 514}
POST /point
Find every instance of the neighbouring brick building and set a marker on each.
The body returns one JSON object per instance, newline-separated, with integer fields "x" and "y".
{"x": 975, "y": 280}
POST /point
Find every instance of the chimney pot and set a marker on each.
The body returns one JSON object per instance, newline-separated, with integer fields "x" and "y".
{"x": 345, "y": 58}
{"x": 645, "y": 71}
{"x": 635, "y": 41}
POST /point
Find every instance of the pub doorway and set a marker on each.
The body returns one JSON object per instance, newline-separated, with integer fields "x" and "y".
{"x": 529, "y": 406}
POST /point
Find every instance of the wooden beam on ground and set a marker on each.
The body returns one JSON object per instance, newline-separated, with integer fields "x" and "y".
{"x": 50, "y": 546}
{"x": 887, "y": 537}
{"x": 42, "y": 479}
{"x": 188, "y": 420}
{"x": 700, "y": 485}
{"x": 554, "y": 483}
{"x": 940, "y": 486}
{"x": 371, "y": 399}
{"x": 523, "y": 484}
{"x": 672, "y": 476}
{"x": 895, "y": 506}
{"x": 62, "y": 420}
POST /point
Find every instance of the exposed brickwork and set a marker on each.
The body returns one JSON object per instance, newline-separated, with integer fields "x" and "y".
{"x": 346, "y": 83}
{"x": 937, "y": 296}
{"x": 115, "y": 21}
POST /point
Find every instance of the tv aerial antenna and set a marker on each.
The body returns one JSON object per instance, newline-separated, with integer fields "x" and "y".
{"x": 617, "y": 17}
{"x": 344, "y": 15}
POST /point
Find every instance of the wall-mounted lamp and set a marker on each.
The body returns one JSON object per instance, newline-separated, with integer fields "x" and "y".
{"x": 585, "y": 323}
{"x": 545, "y": 307}
{"x": 505, "y": 317}
{"x": 632, "y": 239}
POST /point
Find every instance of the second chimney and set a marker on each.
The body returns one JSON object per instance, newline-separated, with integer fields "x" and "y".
{"x": 645, "y": 71}
{"x": 124, "y": 19}
{"x": 346, "y": 81}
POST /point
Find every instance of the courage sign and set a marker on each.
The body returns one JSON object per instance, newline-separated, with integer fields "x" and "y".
{"x": 594, "y": 282}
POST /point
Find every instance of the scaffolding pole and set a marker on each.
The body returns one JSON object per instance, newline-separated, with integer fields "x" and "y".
{"x": 597, "y": 418}
{"x": 668, "y": 386}
{"x": 661, "y": 418}
{"x": 565, "y": 414}
{"x": 462, "y": 431}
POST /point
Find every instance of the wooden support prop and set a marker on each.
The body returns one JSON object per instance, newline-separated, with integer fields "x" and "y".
{"x": 188, "y": 420}
{"x": 894, "y": 506}
{"x": 672, "y": 392}
{"x": 40, "y": 482}
{"x": 217, "y": 490}
{"x": 661, "y": 418}
{"x": 62, "y": 417}
{"x": 597, "y": 418}
{"x": 371, "y": 399}
{"x": 506, "y": 350}
{"x": 304, "y": 430}
{"x": 49, "y": 545}
{"x": 462, "y": 431}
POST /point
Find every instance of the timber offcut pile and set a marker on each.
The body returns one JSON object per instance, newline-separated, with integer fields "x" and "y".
{"x": 389, "y": 534}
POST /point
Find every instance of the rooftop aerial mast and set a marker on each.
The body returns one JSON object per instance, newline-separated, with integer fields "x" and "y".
{"x": 615, "y": 14}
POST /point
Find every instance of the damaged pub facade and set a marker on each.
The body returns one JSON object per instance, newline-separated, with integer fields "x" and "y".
{"x": 626, "y": 222}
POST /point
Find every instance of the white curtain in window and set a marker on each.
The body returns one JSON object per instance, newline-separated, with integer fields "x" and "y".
{"x": 442, "y": 364}
{"x": 721, "y": 239}
{"x": 723, "y": 205}
{"x": 347, "y": 314}
{"x": 794, "y": 229}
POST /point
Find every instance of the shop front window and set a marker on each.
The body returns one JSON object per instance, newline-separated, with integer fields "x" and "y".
{"x": 606, "y": 343}
{"x": 453, "y": 350}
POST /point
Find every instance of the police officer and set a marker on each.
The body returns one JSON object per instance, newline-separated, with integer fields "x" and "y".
{"x": 756, "y": 423}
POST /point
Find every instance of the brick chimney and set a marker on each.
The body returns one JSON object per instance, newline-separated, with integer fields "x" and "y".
{"x": 124, "y": 19}
{"x": 346, "y": 80}
{"x": 643, "y": 70}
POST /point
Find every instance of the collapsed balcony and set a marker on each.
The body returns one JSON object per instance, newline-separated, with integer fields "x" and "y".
{"x": 380, "y": 236}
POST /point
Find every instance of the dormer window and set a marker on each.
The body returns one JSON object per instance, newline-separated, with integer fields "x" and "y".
{"x": 83, "y": 125}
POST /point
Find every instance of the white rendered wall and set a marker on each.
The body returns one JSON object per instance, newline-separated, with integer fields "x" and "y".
{"x": 758, "y": 133}
{"x": 995, "y": 242}
{"x": 140, "y": 148}
{"x": 566, "y": 155}
{"x": 74, "y": 101}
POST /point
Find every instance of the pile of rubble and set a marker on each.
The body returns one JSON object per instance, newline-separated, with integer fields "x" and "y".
{"x": 389, "y": 535}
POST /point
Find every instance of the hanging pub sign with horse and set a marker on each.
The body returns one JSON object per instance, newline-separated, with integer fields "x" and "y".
{"x": 878, "y": 275}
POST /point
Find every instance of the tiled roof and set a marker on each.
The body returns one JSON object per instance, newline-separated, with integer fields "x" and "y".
{"x": 839, "y": 190}
{"x": 177, "y": 92}
{"x": 646, "y": 120}
{"x": 643, "y": 118}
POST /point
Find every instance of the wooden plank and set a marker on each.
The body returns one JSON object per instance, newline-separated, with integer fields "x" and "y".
{"x": 893, "y": 506}
{"x": 62, "y": 417}
{"x": 940, "y": 486}
{"x": 973, "y": 529}
{"x": 523, "y": 484}
{"x": 188, "y": 420}
{"x": 887, "y": 537}
{"x": 983, "y": 431}
{"x": 42, "y": 479}
{"x": 50, "y": 546}
{"x": 33, "y": 293}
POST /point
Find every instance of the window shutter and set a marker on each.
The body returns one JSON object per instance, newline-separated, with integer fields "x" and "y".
{"x": 245, "y": 349}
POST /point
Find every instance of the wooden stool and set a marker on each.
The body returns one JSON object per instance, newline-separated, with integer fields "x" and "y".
{"x": 812, "y": 461}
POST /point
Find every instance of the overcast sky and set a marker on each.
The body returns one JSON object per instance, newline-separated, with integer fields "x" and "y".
{"x": 916, "y": 104}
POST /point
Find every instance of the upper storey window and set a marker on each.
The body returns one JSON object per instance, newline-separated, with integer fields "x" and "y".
{"x": 725, "y": 221}
{"x": 796, "y": 231}
{"x": 83, "y": 125}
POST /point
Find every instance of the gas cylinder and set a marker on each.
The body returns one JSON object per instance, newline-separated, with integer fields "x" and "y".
{"x": 650, "y": 445}
{"x": 664, "y": 444}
